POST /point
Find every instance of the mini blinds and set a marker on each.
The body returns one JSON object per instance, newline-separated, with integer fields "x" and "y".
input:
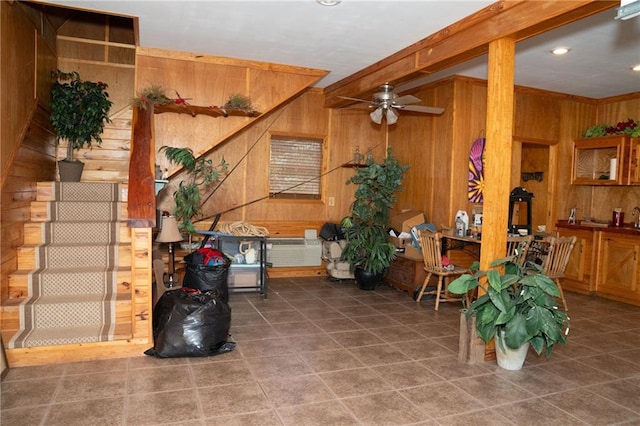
{"x": 295, "y": 168}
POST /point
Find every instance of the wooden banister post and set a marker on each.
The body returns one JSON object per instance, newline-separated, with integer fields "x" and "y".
{"x": 141, "y": 197}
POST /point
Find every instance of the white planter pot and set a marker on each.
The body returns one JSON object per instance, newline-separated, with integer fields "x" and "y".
{"x": 510, "y": 359}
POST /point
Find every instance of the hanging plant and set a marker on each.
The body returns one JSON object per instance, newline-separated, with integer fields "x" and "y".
{"x": 238, "y": 101}
{"x": 79, "y": 110}
{"x": 202, "y": 175}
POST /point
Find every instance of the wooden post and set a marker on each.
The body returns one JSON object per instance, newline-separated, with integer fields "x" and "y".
{"x": 498, "y": 164}
{"x": 142, "y": 197}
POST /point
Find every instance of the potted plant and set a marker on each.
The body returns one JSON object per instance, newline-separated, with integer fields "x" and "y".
{"x": 202, "y": 174}
{"x": 79, "y": 110}
{"x": 368, "y": 249}
{"x": 518, "y": 308}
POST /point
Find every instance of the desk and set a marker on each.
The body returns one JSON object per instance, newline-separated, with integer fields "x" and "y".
{"x": 469, "y": 245}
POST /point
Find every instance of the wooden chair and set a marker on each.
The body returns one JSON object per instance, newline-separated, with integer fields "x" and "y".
{"x": 558, "y": 253}
{"x": 519, "y": 247}
{"x": 431, "y": 244}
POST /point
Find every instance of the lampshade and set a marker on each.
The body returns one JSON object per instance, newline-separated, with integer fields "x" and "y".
{"x": 392, "y": 116}
{"x": 376, "y": 116}
{"x": 169, "y": 232}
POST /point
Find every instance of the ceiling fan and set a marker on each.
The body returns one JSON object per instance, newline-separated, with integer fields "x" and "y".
{"x": 386, "y": 102}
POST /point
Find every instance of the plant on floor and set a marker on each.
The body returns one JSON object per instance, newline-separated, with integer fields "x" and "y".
{"x": 368, "y": 247}
{"x": 79, "y": 110}
{"x": 202, "y": 174}
{"x": 519, "y": 301}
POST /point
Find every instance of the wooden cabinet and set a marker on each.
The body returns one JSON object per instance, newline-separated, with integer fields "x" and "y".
{"x": 592, "y": 161}
{"x": 619, "y": 266}
{"x": 406, "y": 273}
{"x": 579, "y": 275}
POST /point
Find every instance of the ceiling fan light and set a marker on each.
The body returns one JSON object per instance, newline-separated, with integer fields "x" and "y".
{"x": 392, "y": 116}
{"x": 376, "y": 116}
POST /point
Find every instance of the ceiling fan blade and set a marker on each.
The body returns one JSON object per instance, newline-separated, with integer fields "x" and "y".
{"x": 406, "y": 99}
{"x": 354, "y": 99}
{"x": 420, "y": 108}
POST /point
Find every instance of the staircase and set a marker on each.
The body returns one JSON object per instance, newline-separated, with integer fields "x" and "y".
{"x": 74, "y": 270}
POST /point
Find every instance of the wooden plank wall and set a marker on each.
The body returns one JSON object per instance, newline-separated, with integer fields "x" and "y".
{"x": 26, "y": 143}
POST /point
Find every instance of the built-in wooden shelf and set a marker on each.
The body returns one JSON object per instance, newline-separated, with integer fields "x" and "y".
{"x": 194, "y": 110}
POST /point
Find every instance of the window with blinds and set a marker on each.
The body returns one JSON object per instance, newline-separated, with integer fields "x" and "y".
{"x": 295, "y": 167}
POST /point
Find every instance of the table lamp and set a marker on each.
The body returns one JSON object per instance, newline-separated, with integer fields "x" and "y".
{"x": 170, "y": 234}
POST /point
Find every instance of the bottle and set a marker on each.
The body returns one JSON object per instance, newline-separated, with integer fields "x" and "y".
{"x": 462, "y": 223}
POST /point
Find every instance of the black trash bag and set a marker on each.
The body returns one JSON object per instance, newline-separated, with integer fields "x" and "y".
{"x": 190, "y": 323}
{"x": 207, "y": 278}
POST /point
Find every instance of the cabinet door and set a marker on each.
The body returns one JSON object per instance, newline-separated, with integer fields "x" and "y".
{"x": 619, "y": 267}
{"x": 577, "y": 276}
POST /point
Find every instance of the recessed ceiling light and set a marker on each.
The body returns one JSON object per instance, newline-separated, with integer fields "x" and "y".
{"x": 328, "y": 2}
{"x": 560, "y": 50}
{"x": 636, "y": 68}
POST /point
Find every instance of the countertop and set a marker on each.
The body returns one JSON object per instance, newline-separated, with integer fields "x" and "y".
{"x": 627, "y": 229}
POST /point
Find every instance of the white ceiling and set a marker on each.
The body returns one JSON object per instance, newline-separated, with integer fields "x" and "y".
{"x": 345, "y": 38}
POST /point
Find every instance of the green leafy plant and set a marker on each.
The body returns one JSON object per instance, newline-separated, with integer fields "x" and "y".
{"x": 202, "y": 175}
{"x": 519, "y": 300}
{"x": 368, "y": 245}
{"x": 629, "y": 127}
{"x": 152, "y": 95}
{"x": 79, "y": 110}
{"x": 239, "y": 101}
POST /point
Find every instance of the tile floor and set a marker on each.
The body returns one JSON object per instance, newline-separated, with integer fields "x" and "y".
{"x": 323, "y": 353}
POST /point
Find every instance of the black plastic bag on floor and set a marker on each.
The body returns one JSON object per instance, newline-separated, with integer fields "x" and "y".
{"x": 190, "y": 323}
{"x": 205, "y": 277}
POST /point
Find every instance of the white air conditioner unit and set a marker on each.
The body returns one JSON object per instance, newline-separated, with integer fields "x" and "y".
{"x": 628, "y": 9}
{"x": 295, "y": 251}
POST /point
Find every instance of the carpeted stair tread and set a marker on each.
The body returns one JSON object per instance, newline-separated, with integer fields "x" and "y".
{"x": 65, "y": 336}
{"x": 71, "y": 269}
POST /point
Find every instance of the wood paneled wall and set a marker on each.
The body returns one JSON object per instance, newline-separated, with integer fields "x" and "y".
{"x": 27, "y": 147}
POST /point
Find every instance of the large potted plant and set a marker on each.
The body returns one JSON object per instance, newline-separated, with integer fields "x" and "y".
{"x": 368, "y": 249}
{"x": 518, "y": 309}
{"x": 79, "y": 110}
{"x": 201, "y": 175}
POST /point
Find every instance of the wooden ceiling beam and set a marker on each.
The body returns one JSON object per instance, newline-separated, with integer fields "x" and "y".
{"x": 462, "y": 41}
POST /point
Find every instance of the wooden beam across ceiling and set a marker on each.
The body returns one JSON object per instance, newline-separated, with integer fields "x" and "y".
{"x": 462, "y": 41}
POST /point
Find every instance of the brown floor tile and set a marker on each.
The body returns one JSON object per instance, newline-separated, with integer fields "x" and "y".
{"x": 372, "y": 322}
{"x": 221, "y": 373}
{"x": 28, "y": 392}
{"x": 325, "y": 313}
{"x": 36, "y": 372}
{"x": 337, "y": 324}
{"x": 92, "y": 386}
{"x": 576, "y": 373}
{"x": 492, "y": 389}
{"x": 398, "y": 333}
{"x": 159, "y": 379}
{"x": 406, "y": 374}
{"x": 355, "y": 382}
{"x": 590, "y": 407}
{"x": 613, "y": 366}
{"x": 265, "y": 347}
{"x": 103, "y": 412}
{"x": 286, "y": 391}
{"x": 490, "y": 417}
{"x": 621, "y": 392}
{"x": 424, "y": 349}
{"x": 323, "y": 413}
{"x": 239, "y": 398}
{"x": 441, "y": 399}
{"x": 536, "y": 412}
{"x": 333, "y": 360}
{"x": 260, "y": 418}
{"x": 386, "y": 408}
{"x": 300, "y": 328}
{"x": 279, "y": 366}
{"x": 378, "y": 354}
{"x": 314, "y": 342}
{"x": 274, "y": 317}
{"x": 23, "y": 416}
{"x": 355, "y": 338}
{"x": 159, "y": 408}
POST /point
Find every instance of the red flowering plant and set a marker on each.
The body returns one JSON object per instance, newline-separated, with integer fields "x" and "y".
{"x": 629, "y": 127}
{"x": 79, "y": 110}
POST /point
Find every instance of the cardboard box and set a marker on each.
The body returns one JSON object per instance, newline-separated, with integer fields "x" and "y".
{"x": 406, "y": 220}
{"x": 403, "y": 223}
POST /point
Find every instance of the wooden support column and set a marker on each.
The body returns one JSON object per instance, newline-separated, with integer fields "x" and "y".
{"x": 497, "y": 173}
{"x": 142, "y": 197}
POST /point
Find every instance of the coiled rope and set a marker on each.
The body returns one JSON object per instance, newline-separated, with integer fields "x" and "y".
{"x": 243, "y": 228}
